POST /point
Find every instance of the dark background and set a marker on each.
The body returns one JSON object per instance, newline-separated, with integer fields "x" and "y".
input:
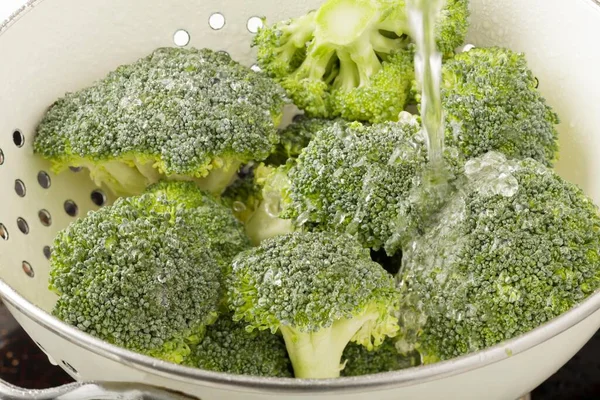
{"x": 23, "y": 364}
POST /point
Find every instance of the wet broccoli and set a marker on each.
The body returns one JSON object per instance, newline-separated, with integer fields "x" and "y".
{"x": 515, "y": 248}
{"x": 452, "y": 26}
{"x": 186, "y": 114}
{"x": 321, "y": 291}
{"x": 228, "y": 347}
{"x": 356, "y": 179}
{"x": 351, "y": 58}
{"x": 146, "y": 273}
{"x": 491, "y": 103}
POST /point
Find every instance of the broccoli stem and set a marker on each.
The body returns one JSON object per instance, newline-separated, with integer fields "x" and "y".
{"x": 385, "y": 45}
{"x": 147, "y": 169}
{"x": 342, "y": 22}
{"x": 347, "y": 78}
{"x": 217, "y": 181}
{"x": 317, "y": 355}
{"x": 287, "y": 52}
{"x": 367, "y": 62}
{"x": 265, "y": 224}
{"x": 316, "y": 63}
{"x": 122, "y": 177}
{"x": 300, "y": 30}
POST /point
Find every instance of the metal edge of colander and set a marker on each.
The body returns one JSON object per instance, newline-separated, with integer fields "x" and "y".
{"x": 380, "y": 381}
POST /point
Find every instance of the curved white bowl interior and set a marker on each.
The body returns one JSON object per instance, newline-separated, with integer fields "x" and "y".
{"x": 64, "y": 45}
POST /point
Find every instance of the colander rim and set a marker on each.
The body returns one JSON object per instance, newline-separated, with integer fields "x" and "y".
{"x": 386, "y": 380}
{"x": 382, "y": 381}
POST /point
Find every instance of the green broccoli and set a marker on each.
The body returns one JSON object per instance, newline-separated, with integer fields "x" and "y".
{"x": 452, "y": 25}
{"x": 356, "y": 179}
{"x": 146, "y": 273}
{"x": 385, "y": 358}
{"x": 296, "y": 137}
{"x": 228, "y": 347}
{"x": 184, "y": 114}
{"x": 515, "y": 248}
{"x": 321, "y": 291}
{"x": 351, "y": 58}
{"x": 491, "y": 103}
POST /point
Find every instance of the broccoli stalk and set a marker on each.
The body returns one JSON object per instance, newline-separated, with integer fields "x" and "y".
{"x": 350, "y": 30}
{"x": 126, "y": 176}
{"x": 318, "y": 354}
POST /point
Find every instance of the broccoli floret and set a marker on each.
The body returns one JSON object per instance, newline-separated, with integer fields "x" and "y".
{"x": 296, "y": 137}
{"x": 385, "y": 358}
{"x": 356, "y": 179}
{"x": 321, "y": 291}
{"x": 351, "y": 58}
{"x": 452, "y": 26}
{"x": 228, "y": 347}
{"x": 370, "y": 181}
{"x": 186, "y": 114}
{"x": 515, "y": 248}
{"x": 491, "y": 103}
{"x": 146, "y": 273}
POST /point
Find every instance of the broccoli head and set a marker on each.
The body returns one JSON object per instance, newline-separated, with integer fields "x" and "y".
{"x": 362, "y": 180}
{"x": 186, "y": 114}
{"x": 385, "y": 358}
{"x": 321, "y": 291}
{"x": 351, "y": 58}
{"x": 491, "y": 103}
{"x": 146, "y": 273}
{"x": 516, "y": 247}
{"x": 228, "y": 347}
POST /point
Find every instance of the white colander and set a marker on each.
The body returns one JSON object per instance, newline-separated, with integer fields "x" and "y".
{"x": 54, "y": 46}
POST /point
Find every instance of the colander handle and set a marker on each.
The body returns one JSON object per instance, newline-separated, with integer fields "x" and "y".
{"x": 90, "y": 391}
